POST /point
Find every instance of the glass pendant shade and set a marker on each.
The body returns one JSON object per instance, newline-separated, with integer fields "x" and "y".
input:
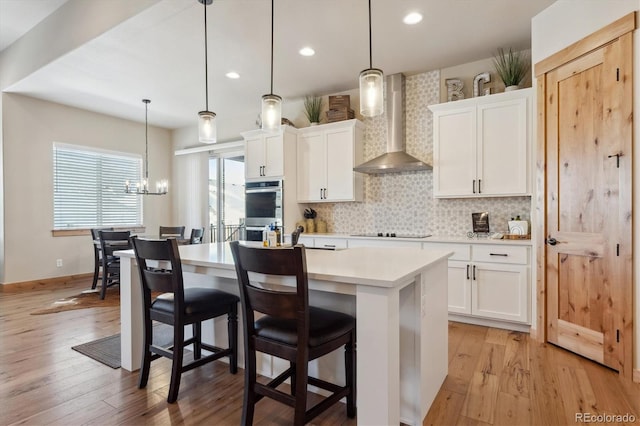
{"x": 271, "y": 112}
{"x": 207, "y": 127}
{"x": 371, "y": 92}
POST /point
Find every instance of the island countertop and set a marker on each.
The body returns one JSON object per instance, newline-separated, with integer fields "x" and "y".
{"x": 373, "y": 266}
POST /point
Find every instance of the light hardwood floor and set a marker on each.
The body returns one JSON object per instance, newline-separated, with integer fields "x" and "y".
{"x": 495, "y": 377}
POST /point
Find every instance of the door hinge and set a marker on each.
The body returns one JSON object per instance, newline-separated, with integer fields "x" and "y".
{"x": 617, "y": 249}
{"x": 617, "y": 74}
{"x": 617, "y": 336}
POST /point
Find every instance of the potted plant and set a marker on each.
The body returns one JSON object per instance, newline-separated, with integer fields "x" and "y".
{"x": 511, "y": 67}
{"x": 312, "y": 108}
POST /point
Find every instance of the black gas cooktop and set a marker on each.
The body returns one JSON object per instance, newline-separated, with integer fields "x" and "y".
{"x": 391, "y": 235}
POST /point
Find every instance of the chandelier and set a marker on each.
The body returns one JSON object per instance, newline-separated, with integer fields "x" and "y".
{"x": 142, "y": 188}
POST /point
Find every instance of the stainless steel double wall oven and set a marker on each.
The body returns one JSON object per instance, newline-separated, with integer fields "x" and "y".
{"x": 263, "y": 206}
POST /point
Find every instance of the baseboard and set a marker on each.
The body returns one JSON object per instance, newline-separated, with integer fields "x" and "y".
{"x": 636, "y": 375}
{"x": 525, "y": 328}
{"x": 45, "y": 284}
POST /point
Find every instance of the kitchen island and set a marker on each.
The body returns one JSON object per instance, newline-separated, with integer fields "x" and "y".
{"x": 399, "y": 298}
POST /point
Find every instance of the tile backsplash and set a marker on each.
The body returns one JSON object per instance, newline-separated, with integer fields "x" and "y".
{"x": 403, "y": 202}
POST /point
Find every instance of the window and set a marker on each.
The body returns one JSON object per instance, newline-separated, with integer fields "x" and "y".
{"x": 88, "y": 188}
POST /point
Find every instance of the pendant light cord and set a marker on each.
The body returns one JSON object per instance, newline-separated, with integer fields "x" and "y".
{"x": 146, "y": 139}
{"x": 272, "y": 14}
{"x": 206, "y": 62}
{"x": 370, "y": 48}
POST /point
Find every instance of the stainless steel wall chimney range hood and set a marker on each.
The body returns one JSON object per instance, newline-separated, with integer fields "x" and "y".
{"x": 395, "y": 159}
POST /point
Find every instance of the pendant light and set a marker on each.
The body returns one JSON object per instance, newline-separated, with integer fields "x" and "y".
{"x": 142, "y": 188}
{"x": 206, "y": 119}
{"x": 371, "y": 85}
{"x": 271, "y": 104}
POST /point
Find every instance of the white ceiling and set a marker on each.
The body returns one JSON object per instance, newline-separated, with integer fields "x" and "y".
{"x": 159, "y": 53}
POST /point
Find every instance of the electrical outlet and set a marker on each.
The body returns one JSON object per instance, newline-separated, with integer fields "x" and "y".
{"x": 59, "y": 263}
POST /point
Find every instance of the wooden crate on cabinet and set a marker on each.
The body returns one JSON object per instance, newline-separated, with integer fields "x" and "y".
{"x": 481, "y": 146}
{"x": 326, "y": 156}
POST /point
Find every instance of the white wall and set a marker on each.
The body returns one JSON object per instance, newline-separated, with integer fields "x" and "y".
{"x": 30, "y": 126}
{"x": 564, "y": 23}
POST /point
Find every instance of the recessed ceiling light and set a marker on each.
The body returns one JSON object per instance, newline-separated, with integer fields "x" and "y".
{"x": 233, "y": 75}
{"x": 307, "y": 51}
{"x": 412, "y": 18}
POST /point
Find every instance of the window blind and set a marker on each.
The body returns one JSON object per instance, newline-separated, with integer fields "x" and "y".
{"x": 88, "y": 188}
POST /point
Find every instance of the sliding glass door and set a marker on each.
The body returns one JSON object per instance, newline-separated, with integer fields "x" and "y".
{"x": 226, "y": 197}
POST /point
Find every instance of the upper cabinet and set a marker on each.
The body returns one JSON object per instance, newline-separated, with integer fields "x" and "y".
{"x": 326, "y": 156}
{"x": 481, "y": 146}
{"x": 266, "y": 152}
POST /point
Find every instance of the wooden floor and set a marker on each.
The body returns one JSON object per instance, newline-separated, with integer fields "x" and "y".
{"x": 495, "y": 377}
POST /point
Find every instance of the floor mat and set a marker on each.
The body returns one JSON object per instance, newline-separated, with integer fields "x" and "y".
{"x": 107, "y": 349}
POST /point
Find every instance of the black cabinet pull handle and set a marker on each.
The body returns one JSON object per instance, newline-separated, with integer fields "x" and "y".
{"x": 473, "y": 186}
{"x": 479, "y": 186}
{"x": 498, "y": 254}
{"x": 467, "y": 271}
{"x": 474, "y": 272}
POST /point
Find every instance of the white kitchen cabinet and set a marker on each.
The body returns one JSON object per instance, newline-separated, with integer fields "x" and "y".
{"x": 459, "y": 288}
{"x": 326, "y": 157}
{"x": 481, "y": 146}
{"x": 266, "y": 152}
{"x": 488, "y": 281}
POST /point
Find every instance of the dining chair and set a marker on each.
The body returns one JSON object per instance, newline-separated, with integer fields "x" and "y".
{"x": 288, "y": 328}
{"x": 197, "y": 235}
{"x": 171, "y": 231}
{"x": 110, "y": 242}
{"x": 97, "y": 256}
{"x": 161, "y": 271}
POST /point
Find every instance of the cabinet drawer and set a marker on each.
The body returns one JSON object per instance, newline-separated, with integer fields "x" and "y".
{"x": 460, "y": 251}
{"x": 501, "y": 254}
{"x": 331, "y": 242}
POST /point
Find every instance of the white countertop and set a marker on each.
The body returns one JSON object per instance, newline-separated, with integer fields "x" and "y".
{"x": 431, "y": 239}
{"x": 374, "y": 266}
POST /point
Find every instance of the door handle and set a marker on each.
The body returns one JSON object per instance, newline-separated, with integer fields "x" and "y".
{"x": 467, "y": 271}
{"x": 473, "y": 186}
{"x": 551, "y": 241}
{"x": 321, "y": 193}
{"x": 479, "y": 186}
{"x": 474, "y": 272}
{"x": 325, "y": 193}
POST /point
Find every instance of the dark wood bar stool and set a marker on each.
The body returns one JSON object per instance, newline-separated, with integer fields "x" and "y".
{"x": 97, "y": 255}
{"x": 171, "y": 231}
{"x": 110, "y": 242}
{"x": 179, "y": 306}
{"x": 197, "y": 235}
{"x": 292, "y": 330}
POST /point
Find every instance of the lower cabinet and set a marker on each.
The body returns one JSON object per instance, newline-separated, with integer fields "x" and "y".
{"x": 489, "y": 281}
{"x": 486, "y": 281}
{"x": 500, "y": 291}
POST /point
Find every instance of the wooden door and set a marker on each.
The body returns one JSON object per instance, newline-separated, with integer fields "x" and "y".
{"x": 588, "y": 193}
